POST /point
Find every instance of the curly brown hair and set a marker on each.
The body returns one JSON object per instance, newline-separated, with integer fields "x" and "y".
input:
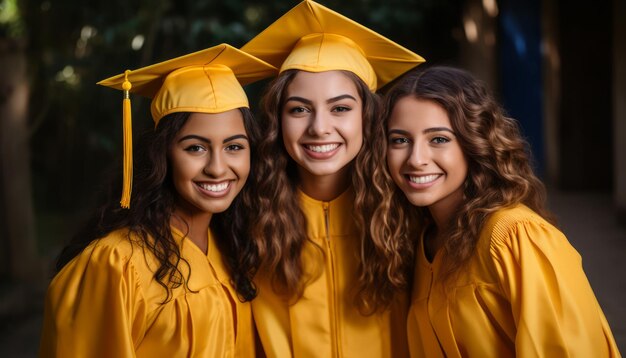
{"x": 500, "y": 172}
{"x": 280, "y": 232}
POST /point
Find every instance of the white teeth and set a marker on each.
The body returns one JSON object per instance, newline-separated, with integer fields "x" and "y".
{"x": 423, "y": 179}
{"x": 322, "y": 148}
{"x": 215, "y": 187}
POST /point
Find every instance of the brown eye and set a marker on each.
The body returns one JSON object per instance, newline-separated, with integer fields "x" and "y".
{"x": 440, "y": 140}
{"x": 399, "y": 140}
{"x": 194, "y": 148}
{"x": 234, "y": 147}
{"x": 342, "y": 109}
{"x": 295, "y": 110}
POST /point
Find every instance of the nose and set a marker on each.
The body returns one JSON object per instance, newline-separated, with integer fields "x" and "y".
{"x": 320, "y": 124}
{"x": 419, "y": 156}
{"x": 216, "y": 165}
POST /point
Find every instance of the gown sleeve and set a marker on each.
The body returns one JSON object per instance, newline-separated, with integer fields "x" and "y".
{"x": 554, "y": 308}
{"x": 94, "y": 306}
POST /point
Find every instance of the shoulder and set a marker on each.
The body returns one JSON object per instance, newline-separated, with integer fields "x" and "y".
{"x": 115, "y": 248}
{"x": 519, "y": 229}
{"x": 502, "y": 222}
{"x": 105, "y": 265}
{"x": 113, "y": 254}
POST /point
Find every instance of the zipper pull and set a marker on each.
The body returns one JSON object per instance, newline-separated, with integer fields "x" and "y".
{"x": 326, "y": 207}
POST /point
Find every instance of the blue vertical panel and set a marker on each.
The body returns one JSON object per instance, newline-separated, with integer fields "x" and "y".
{"x": 520, "y": 66}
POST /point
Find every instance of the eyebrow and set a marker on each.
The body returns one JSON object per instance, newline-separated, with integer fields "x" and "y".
{"x": 236, "y": 136}
{"x": 298, "y": 99}
{"x": 330, "y": 100}
{"x": 206, "y": 140}
{"x": 339, "y": 98}
{"x": 398, "y": 131}
{"x": 438, "y": 129}
{"x": 428, "y": 130}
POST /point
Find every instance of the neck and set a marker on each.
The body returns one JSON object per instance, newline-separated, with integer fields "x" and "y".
{"x": 324, "y": 187}
{"x": 442, "y": 213}
{"x": 195, "y": 226}
{"x": 443, "y": 210}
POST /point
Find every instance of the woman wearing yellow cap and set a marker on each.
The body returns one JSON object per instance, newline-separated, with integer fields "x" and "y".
{"x": 169, "y": 275}
{"x": 334, "y": 271}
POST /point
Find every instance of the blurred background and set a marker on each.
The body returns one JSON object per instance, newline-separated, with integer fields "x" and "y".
{"x": 558, "y": 66}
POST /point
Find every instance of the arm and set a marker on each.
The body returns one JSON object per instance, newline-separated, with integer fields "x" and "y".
{"x": 553, "y": 305}
{"x": 93, "y": 307}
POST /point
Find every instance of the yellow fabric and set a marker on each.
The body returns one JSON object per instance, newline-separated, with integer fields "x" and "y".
{"x": 106, "y": 303}
{"x": 325, "y": 321}
{"x": 524, "y": 293}
{"x": 311, "y": 37}
{"x": 207, "y": 81}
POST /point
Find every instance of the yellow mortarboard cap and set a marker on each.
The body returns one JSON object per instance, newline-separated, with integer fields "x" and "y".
{"x": 311, "y": 37}
{"x": 207, "y": 81}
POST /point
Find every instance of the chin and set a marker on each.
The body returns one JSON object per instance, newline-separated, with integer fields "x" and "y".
{"x": 325, "y": 168}
{"x": 215, "y": 207}
{"x": 419, "y": 201}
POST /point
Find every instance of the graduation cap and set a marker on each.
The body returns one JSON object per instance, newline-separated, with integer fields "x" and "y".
{"x": 207, "y": 81}
{"x": 311, "y": 37}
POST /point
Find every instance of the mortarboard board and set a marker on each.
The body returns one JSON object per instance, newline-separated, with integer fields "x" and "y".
{"x": 207, "y": 81}
{"x": 313, "y": 38}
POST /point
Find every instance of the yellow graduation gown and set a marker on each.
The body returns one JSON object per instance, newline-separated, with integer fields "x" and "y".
{"x": 106, "y": 303}
{"x": 524, "y": 293}
{"x": 325, "y": 322}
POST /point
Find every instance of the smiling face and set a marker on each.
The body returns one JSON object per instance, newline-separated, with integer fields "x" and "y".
{"x": 322, "y": 123}
{"x": 424, "y": 156}
{"x": 210, "y": 162}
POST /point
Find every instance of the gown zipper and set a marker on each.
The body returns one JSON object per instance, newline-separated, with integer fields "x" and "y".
{"x": 331, "y": 279}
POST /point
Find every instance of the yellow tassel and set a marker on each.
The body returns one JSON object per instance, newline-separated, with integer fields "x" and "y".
{"x": 128, "y": 145}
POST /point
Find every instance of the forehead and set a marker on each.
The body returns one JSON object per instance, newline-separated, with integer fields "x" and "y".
{"x": 214, "y": 124}
{"x": 419, "y": 114}
{"x": 327, "y": 84}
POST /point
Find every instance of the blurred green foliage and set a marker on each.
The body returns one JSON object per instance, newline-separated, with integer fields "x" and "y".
{"x": 76, "y": 125}
{"x": 11, "y": 24}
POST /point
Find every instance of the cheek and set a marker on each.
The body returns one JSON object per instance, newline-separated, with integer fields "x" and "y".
{"x": 394, "y": 161}
{"x": 241, "y": 166}
{"x": 457, "y": 162}
{"x": 353, "y": 129}
{"x": 178, "y": 166}
{"x": 463, "y": 169}
{"x": 186, "y": 167}
{"x": 289, "y": 131}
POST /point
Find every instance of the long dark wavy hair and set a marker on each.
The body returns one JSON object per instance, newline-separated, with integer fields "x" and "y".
{"x": 280, "y": 225}
{"x": 500, "y": 172}
{"x": 151, "y": 208}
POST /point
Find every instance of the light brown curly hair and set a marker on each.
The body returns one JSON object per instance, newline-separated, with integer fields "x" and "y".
{"x": 280, "y": 229}
{"x": 500, "y": 172}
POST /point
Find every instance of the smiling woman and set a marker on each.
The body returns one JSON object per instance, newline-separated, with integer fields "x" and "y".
{"x": 169, "y": 273}
{"x": 493, "y": 276}
{"x": 210, "y": 162}
{"x": 322, "y": 120}
{"x": 424, "y": 156}
{"x": 333, "y": 276}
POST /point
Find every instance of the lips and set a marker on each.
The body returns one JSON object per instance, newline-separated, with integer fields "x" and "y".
{"x": 324, "y": 148}
{"x": 423, "y": 179}
{"x": 215, "y": 189}
{"x": 321, "y": 150}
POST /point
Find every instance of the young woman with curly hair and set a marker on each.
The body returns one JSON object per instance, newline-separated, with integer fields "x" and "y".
{"x": 493, "y": 276}
{"x": 170, "y": 273}
{"x": 333, "y": 279}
